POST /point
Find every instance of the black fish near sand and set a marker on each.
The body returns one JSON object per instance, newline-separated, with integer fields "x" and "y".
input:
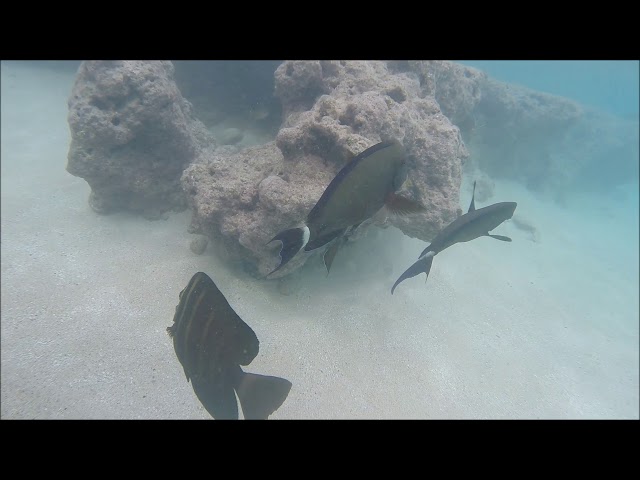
{"x": 211, "y": 342}
{"x": 467, "y": 227}
{"x": 361, "y": 188}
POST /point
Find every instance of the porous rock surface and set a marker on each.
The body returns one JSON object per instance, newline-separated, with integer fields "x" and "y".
{"x": 132, "y": 135}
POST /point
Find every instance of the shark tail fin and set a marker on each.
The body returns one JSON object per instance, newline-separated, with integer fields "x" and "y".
{"x": 423, "y": 265}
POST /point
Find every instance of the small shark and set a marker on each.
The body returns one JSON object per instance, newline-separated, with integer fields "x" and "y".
{"x": 471, "y": 225}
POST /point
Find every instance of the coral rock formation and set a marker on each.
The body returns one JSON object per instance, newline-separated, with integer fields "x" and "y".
{"x": 132, "y": 135}
{"x": 332, "y": 111}
{"x": 136, "y": 141}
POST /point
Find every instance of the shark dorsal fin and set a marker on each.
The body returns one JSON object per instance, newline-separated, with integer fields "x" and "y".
{"x": 472, "y": 207}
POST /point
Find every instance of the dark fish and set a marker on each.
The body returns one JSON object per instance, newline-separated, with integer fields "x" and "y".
{"x": 467, "y": 227}
{"x": 358, "y": 191}
{"x": 211, "y": 342}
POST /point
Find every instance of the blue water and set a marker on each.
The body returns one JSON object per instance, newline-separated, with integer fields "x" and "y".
{"x": 609, "y": 85}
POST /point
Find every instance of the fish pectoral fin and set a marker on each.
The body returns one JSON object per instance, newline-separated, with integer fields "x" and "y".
{"x": 499, "y": 237}
{"x": 423, "y": 265}
{"x": 330, "y": 253}
{"x": 261, "y": 395}
{"x": 403, "y": 206}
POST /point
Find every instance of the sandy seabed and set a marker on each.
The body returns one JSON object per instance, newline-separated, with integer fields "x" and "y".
{"x": 528, "y": 329}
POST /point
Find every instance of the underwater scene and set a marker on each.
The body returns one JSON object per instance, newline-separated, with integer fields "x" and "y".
{"x": 319, "y": 239}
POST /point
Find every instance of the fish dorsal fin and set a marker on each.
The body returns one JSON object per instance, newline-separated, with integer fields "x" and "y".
{"x": 499, "y": 237}
{"x": 472, "y": 207}
{"x": 402, "y": 206}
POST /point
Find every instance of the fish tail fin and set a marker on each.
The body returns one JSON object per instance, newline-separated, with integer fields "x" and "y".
{"x": 423, "y": 265}
{"x": 293, "y": 240}
{"x": 261, "y": 395}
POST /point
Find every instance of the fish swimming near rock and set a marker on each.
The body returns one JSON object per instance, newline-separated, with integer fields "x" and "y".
{"x": 467, "y": 227}
{"x": 211, "y": 342}
{"x": 359, "y": 190}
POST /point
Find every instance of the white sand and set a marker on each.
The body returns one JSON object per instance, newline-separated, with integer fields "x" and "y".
{"x": 519, "y": 330}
